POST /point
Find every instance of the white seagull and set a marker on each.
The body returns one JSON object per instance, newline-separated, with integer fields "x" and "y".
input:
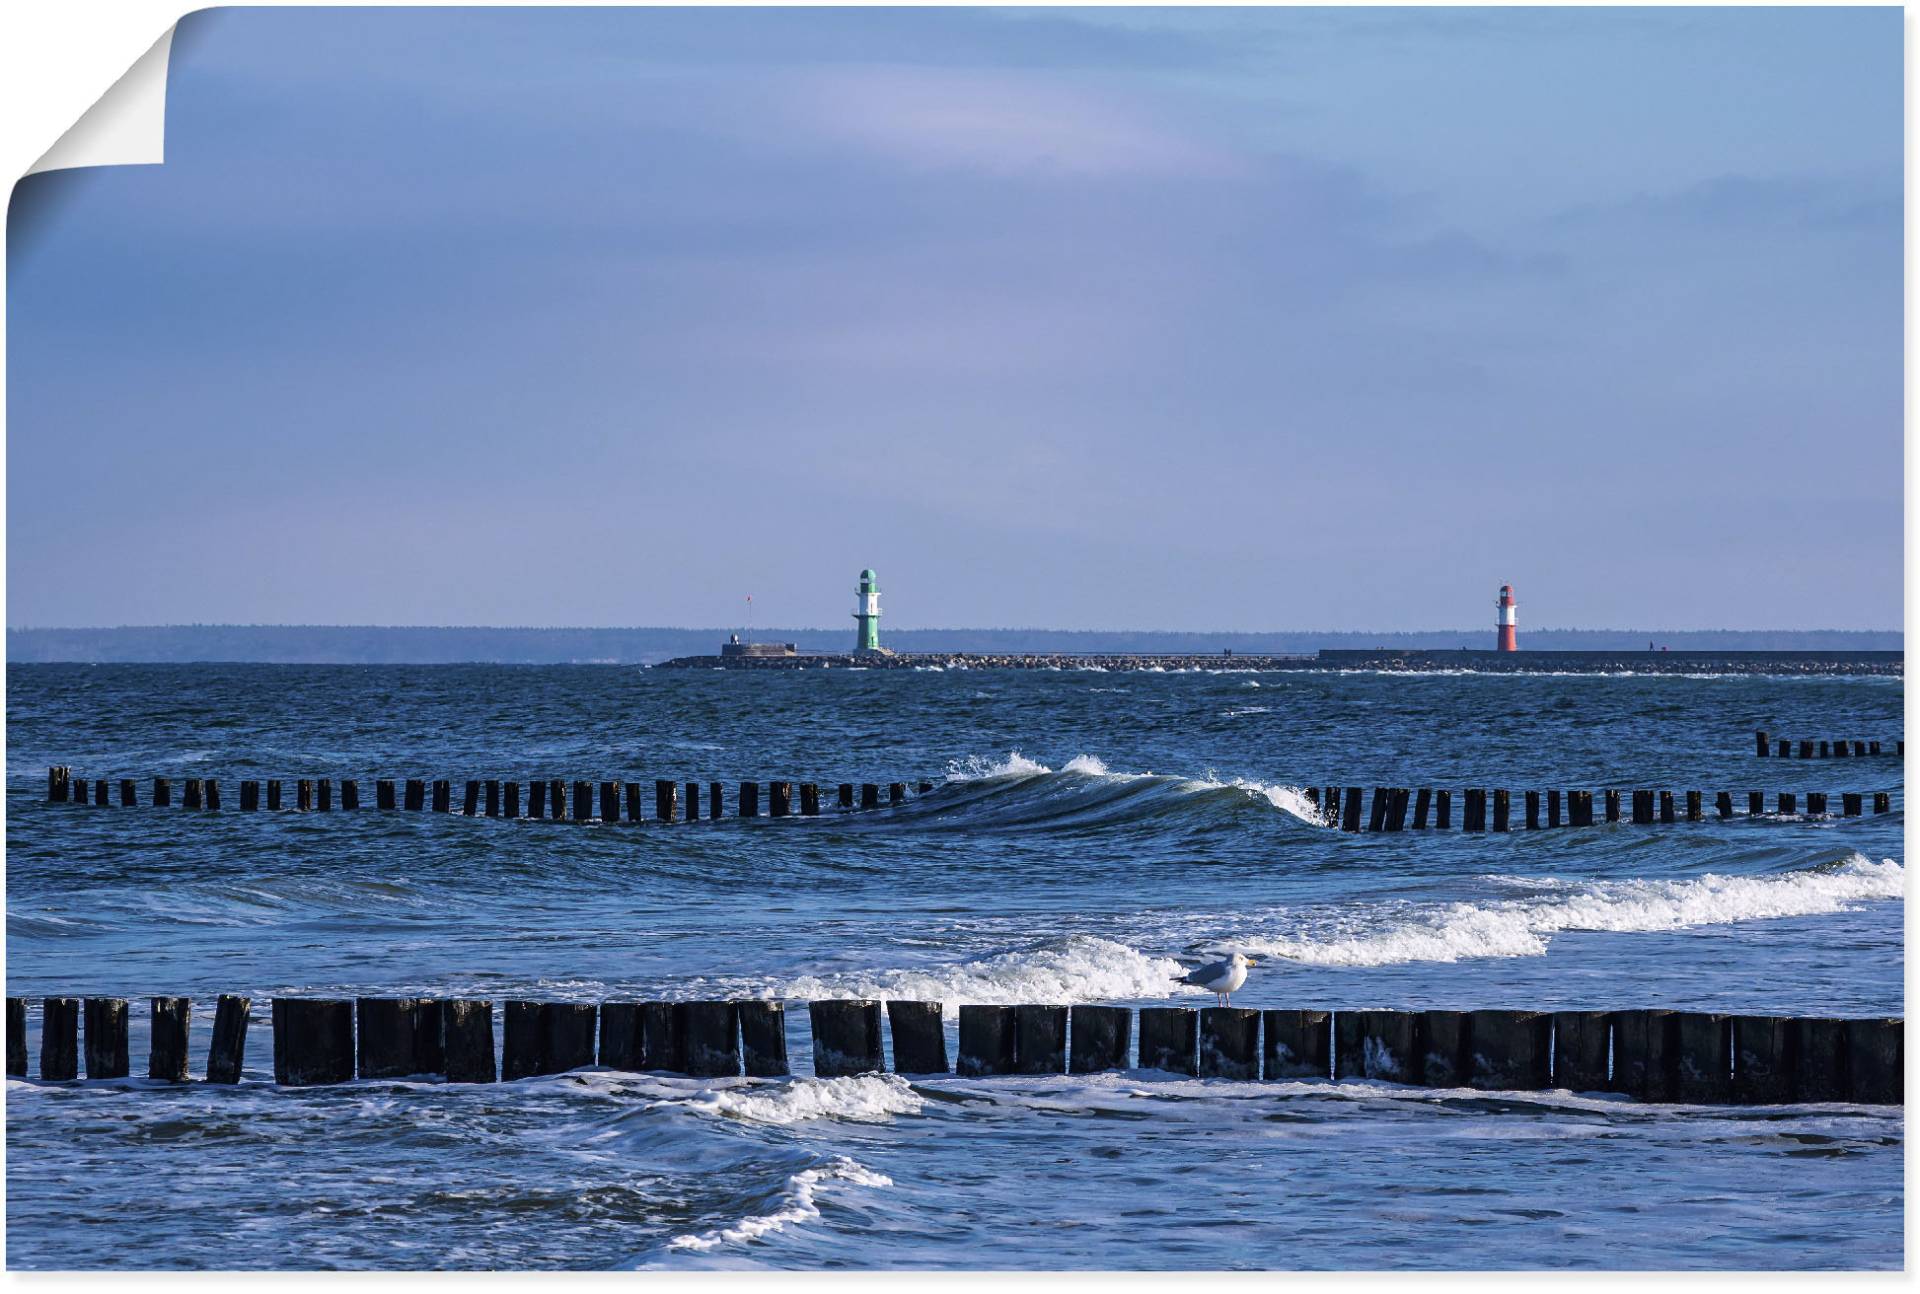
{"x": 1220, "y": 978}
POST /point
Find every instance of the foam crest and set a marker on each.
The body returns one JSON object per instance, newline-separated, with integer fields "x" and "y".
{"x": 798, "y": 1203}
{"x": 1079, "y": 968}
{"x": 975, "y": 768}
{"x": 869, "y": 1098}
{"x": 1523, "y": 927}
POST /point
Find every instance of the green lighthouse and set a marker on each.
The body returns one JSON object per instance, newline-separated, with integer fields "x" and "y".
{"x": 867, "y": 613}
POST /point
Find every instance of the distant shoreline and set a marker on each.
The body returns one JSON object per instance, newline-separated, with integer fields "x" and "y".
{"x": 426, "y": 645}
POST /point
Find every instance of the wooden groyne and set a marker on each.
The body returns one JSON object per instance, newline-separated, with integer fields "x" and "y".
{"x": 1388, "y": 660}
{"x": 1653, "y": 1055}
{"x": 550, "y": 799}
{"x": 1401, "y": 808}
{"x": 1766, "y": 746}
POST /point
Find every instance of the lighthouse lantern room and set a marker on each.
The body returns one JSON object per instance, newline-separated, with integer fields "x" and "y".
{"x": 1505, "y": 634}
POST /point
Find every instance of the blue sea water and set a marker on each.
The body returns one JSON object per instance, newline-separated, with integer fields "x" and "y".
{"x": 1087, "y": 832}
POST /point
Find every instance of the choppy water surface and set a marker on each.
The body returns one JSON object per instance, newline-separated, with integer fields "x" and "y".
{"x": 1087, "y": 832}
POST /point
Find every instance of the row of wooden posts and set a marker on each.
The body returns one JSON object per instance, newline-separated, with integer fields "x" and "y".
{"x": 1347, "y": 807}
{"x": 491, "y": 798}
{"x": 1765, "y": 745}
{"x": 1657, "y": 1055}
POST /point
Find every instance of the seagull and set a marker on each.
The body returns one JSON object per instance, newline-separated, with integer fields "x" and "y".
{"x": 1220, "y": 978}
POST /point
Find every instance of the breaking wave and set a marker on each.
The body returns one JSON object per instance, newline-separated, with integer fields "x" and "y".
{"x": 1522, "y": 927}
{"x": 869, "y": 1098}
{"x": 981, "y": 792}
{"x": 797, "y": 1203}
{"x": 1079, "y": 968}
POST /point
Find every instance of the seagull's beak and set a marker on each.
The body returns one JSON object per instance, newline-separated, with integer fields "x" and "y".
{"x": 1252, "y": 962}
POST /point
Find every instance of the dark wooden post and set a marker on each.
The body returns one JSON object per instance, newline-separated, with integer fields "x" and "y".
{"x": 1373, "y": 1044}
{"x": 106, "y": 1037}
{"x": 710, "y": 1037}
{"x": 1613, "y": 806}
{"x": 416, "y": 794}
{"x": 1580, "y": 1050}
{"x": 664, "y": 796}
{"x": 1817, "y": 804}
{"x": 714, "y": 802}
{"x": 323, "y": 794}
{"x": 763, "y": 1038}
{"x": 896, "y": 792}
{"x": 986, "y": 1040}
{"x": 919, "y": 1037}
{"x": 312, "y": 1041}
{"x": 582, "y": 801}
{"x": 193, "y": 798}
{"x": 846, "y": 1038}
{"x": 1101, "y": 1038}
{"x": 1806, "y": 749}
{"x": 1642, "y": 808}
{"x": 1169, "y": 1039}
{"x": 780, "y": 799}
{"x": 1756, "y": 804}
{"x": 1510, "y": 1049}
{"x": 1502, "y": 810}
{"x": 59, "y": 778}
{"x": 228, "y": 1054}
{"x": 1693, "y": 807}
{"x": 846, "y": 795}
{"x": 399, "y": 1036}
{"x": 1330, "y": 806}
{"x": 172, "y": 1019}
{"x": 1553, "y": 809}
{"x": 809, "y": 800}
{"x": 622, "y": 1046}
{"x": 349, "y": 794}
{"x": 1533, "y": 810}
{"x": 1642, "y": 1054}
{"x": 59, "y": 1039}
{"x": 273, "y": 794}
{"x": 162, "y": 793}
{"x": 1882, "y": 802}
{"x": 609, "y": 801}
{"x": 493, "y": 797}
{"x": 1298, "y": 1044}
{"x": 557, "y": 798}
{"x": 1859, "y": 750}
{"x": 1476, "y": 815}
{"x": 249, "y": 796}
{"x": 1350, "y": 821}
{"x": 693, "y": 801}
{"x": 749, "y": 799}
{"x": 100, "y": 791}
{"x": 1876, "y": 1069}
{"x": 1850, "y": 804}
{"x": 1787, "y": 803}
{"x": 469, "y": 1040}
{"x": 869, "y": 796}
{"x": 632, "y": 792}
{"x": 303, "y": 795}
{"x": 1701, "y": 1072}
{"x": 1763, "y": 1059}
{"x": 16, "y": 1037}
{"x": 1377, "y": 812}
{"x": 1441, "y": 1055}
{"x": 1723, "y": 804}
{"x": 1760, "y": 743}
{"x": 537, "y": 798}
{"x": 1666, "y": 807}
{"x": 1782, "y": 748}
{"x": 511, "y": 797}
{"x": 660, "y": 1037}
{"x": 470, "y": 805}
{"x": 1826, "y": 750}
{"x": 1040, "y": 1039}
{"x": 1873, "y": 748}
{"x": 128, "y": 798}
{"x": 1229, "y": 1042}
{"x": 442, "y": 795}
{"x": 1422, "y": 803}
{"x": 1443, "y": 809}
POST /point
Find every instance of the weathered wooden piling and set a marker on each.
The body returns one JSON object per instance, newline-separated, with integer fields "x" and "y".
{"x": 1642, "y": 1054}
{"x": 846, "y": 1037}
{"x": 493, "y": 797}
{"x": 249, "y": 796}
{"x": 1764, "y": 1062}
{"x": 227, "y": 1056}
{"x": 1553, "y": 809}
{"x": 467, "y": 1040}
{"x": 1039, "y": 1039}
{"x": 1510, "y": 1049}
{"x": 312, "y": 1041}
{"x": 1502, "y": 810}
{"x": 896, "y": 793}
{"x": 59, "y": 780}
{"x": 609, "y": 802}
{"x": 1873, "y": 748}
{"x": 212, "y": 791}
{"x": 1397, "y": 808}
{"x": 59, "y": 1039}
{"x": 162, "y": 793}
{"x": 779, "y": 799}
{"x": 16, "y": 1037}
{"x": 583, "y": 801}
{"x": 1756, "y": 804}
{"x": 809, "y": 800}
{"x": 632, "y": 793}
{"x": 1816, "y": 803}
{"x": 1760, "y": 743}
{"x": 1330, "y": 806}
{"x": 1612, "y": 801}
{"x": 1101, "y": 1038}
{"x": 128, "y": 798}
{"x": 416, "y": 795}
{"x": 1441, "y": 1056}
{"x": 1787, "y": 803}
{"x": 1806, "y": 749}
{"x": 1533, "y": 811}
{"x": 1819, "y": 1051}
{"x": 274, "y": 795}
{"x": 536, "y": 798}
{"x": 1666, "y": 807}
{"x": 106, "y": 1037}
{"x": 1701, "y": 1059}
{"x": 714, "y": 802}
{"x": 1229, "y": 1042}
{"x": 1882, "y": 802}
{"x": 442, "y": 796}
{"x": 845, "y": 800}
{"x": 1422, "y": 804}
{"x": 987, "y": 1040}
{"x": 666, "y": 797}
{"x": 399, "y": 1036}
{"x": 1170, "y": 1038}
{"x": 1580, "y": 1049}
{"x": 1373, "y": 1044}
{"x": 1781, "y": 748}
{"x": 1693, "y": 807}
{"x": 1443, "y": 809}
{"x": 1850, "y": 804}
{"x": 547, "y": 1038}
{"x": 1582, "y": 808}
{"x": 1642, "y": 808}
{"x": 1350, "y": 809}
{"x": 693, "y": 801}
{"x": 557, "y": 799}
{"x": 1876, "y": 1061}
{"x": 749, "y": 800}
{"x": 1859, "y": 750}
{"x": 323, "y": 794}
{"x": 1297, "y": 1044}
{"x": 763, "y": 1038}
{"x": 621, "y": 1044}
{"x": 709, "y": 1038}
{"x": 303, "y": 795}
{"x": 919, "y": 1037}
{"x": 470, "y": 802}
{"x": 1826, "y": 749}
{"x": 1476, "y": 813}
{"x": 869, "y": 795}
{"x": 1377, "y": 814}
{"x": 923, "y": 787}
{"x": 523, "y": 1040}
{"x": 193, "y": 798}
{"x": 510, "y": 797}
{"x": 660, "y": 1039}
{"x": 171, "y": 1021}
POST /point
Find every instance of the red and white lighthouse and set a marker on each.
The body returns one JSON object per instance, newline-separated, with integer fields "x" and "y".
{"x": 1506, "y": 637}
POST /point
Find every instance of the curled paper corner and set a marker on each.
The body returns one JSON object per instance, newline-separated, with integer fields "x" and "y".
{"x": 126, "y": 126}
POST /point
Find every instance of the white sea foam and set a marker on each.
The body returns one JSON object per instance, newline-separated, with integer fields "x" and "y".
{"x": 1079, "y": 968}
{"x": 975, "y": 768}
{"x": 870, "y": 1098}
{"x": 1523, "y": 927}
{"x": 1015, "y": 766}
{"x": 798, "y": 1203}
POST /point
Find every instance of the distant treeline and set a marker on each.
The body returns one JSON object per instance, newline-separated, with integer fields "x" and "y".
{"x": 403, "y": 645}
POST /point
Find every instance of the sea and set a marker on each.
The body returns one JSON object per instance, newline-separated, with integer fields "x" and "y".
{"x": 1088, "y": 835}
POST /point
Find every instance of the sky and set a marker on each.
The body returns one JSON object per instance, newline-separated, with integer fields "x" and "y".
{"x": 1174, "y": 319}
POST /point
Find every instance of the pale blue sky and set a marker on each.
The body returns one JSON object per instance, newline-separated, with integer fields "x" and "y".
{"x": 1225, "y": 319}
